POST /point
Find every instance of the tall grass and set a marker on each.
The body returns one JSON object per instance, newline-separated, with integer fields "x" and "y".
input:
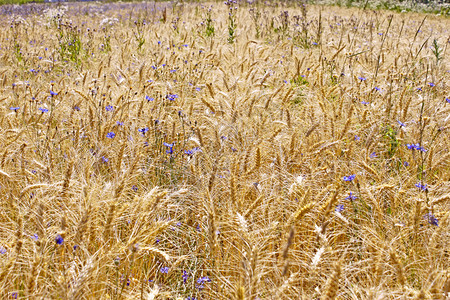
{"x": 145, "y": 156}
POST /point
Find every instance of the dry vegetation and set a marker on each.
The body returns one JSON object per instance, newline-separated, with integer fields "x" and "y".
{"x": 162, "y": 151}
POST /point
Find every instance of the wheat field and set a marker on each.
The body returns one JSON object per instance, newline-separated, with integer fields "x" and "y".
{"x": 218, "y": 150}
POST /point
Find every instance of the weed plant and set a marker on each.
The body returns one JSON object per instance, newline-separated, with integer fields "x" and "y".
{"x": 148, "y": 154}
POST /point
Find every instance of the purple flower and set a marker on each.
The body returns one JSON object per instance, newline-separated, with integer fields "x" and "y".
{"x": 401, "y": 124}
{"x": 15, "y": 108}
{"x": 104, "y": 159}
{"x": 351, "y": 197}
{"x": 44, "y": 110}
{"x": 357, "y": 138}
{"x": 119, "y": 123}
{"x": 422, "y": 187}
{"x": 185, "y": 276}
{"x": 134, "y": 188}
{"x": 110, "y": 135}
{"x": 377, "y": 88}
{"x": 339, "y": 208}
{"x": 59, "y": 239}
{"x": 76, "y": 108}
{"x": 431, "y": 84}
{"x": 406, "y": 164}
{"x": 148, "y": 98}
{"x": 362, "y": 78}
{"x": 447, "y": 99}
{"x": 373, "y": 155}
{"x": 164, "y": 270}
{"x": 349, "y": 178}
{"x": 2, "y": 250}
{"x": 170, "y": 151}
{"x": 52, "y": 93}
{"x": 431, "y": 219}
{"x": 143, "y": 130}
{"x": 201, "y": 281}
{"x": 35, "y": 237}
{"x": 109, "y": 108}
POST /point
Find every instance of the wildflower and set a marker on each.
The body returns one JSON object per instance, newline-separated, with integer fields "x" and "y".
{"x": 170, "y": 151}
{"x": 447, "y": 99}
{"x": 171, "y": 97}
{"x": 185, "y": 276}
{"x": 198, "y": 89}
{"x": 351, "y": 197}
{"x": 52, "y": 93}
{"x": 109, "y": 108}
{"x": 339, "y": 208}
{"x": 373, "y": 155}
{"x": 357, "y": 138}
{"x": 164, "y": 270}
{"x": 431, "y": 219}
{"x": 415, "y": 147}
{"x": 104, "y": 159}
{"x": 406, "y": 164}
{"x": 76, "y": 108}
{"x": 15, "y": 108}
{"x": 349, "y": 178}
{"x": 143, "y": 130}
{"x": 401, "y": 124}
{"x": 59, "y": 239}
{"x": 35, "y": 237}
{"x": 110, "y": 135}
{"x": 148, "y": 98}
{"x": 365, "y": 102}
{"x": 119, "y": 123}
{"x": 422, "y": 187}
{"x": 75, "y": 247}
{"x": 362, "y": 78}
{"x": 201, "y": 281}
{"x": 431, "y": 84}
{"x": 134, "y": 188}
{"x": 2, "y": 250}
{"x": 43, "y": 110}
{"x": 377, "y": 89}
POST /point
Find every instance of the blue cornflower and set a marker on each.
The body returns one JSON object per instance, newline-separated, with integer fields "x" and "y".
{"x": 421, "y": 186}
{"x": 52, "y": 93}
{"x": 109, "y": 108}
{"x": 76, "y": 108}
{"x": 357, "y": 138}
{"x": 377, "y": 89}
{"x": 362, "y": 78}
{"x": 198, "y": 89}
{"x": 59, "y": 239}
{"x": 134, "y": 188}
{"x": 2, "y": 250}
{"x": 339, "y": 208}
{"x": 110, "y": 135}
{"x": 148, "y": 98}
{"x": 170, "y": 151}
{"x": 171, "y": 97}
{"x": 406, "y": 164}
{"x": 35, "y": 237}
{"x": 351, "y": 197}
{"x": 431, "y": 84}
{"x": 43, "y": 109}
{"x": 143, "y": 130}
{"x": 447, "y": 99}
{"x": 104, "y": 159}
{"x": 401, "y": 124}
{"x": 15, "y": 108}
{"x": 431, "y": 219}
{"x": 373, "y": 155}
{"x": 119, "y": 123}
{"x": 365, "y": 102}
{"x": 185, "y": 276}
{"x": 349, "y": 178}
{"x": 201, "y": 281}
{"x": 164, "y": 270}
